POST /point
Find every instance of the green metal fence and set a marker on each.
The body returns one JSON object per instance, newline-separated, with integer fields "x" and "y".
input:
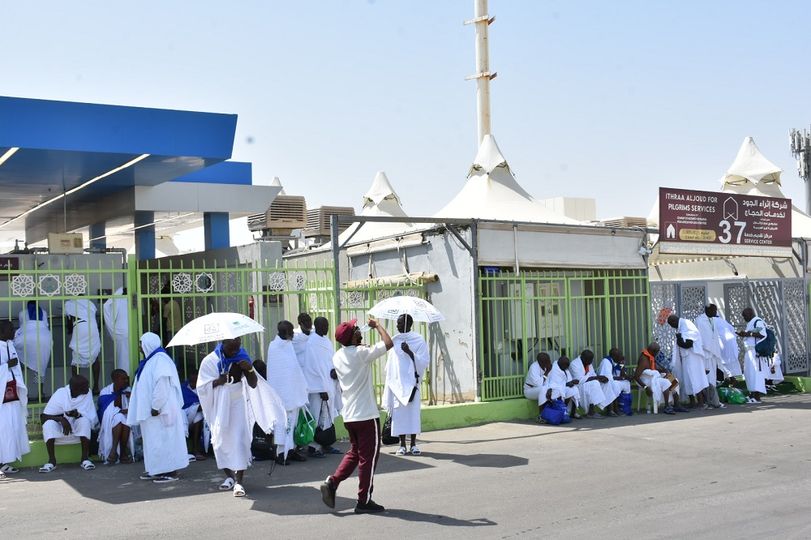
{"x": 558, "y": 311}
{"x": 172, "y": 293}
{"x": 76, "y": 303}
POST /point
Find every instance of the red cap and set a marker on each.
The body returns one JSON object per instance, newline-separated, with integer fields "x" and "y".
{"x": 344, "y": 332}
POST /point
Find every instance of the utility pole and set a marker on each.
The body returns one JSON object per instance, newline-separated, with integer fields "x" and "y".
{"x": 483, "y": 76}
{"x": 800, "y": 142}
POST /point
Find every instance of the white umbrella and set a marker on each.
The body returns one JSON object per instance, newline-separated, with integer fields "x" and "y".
{"x": 419, "y": 309}
{"x": 215, "y": 327}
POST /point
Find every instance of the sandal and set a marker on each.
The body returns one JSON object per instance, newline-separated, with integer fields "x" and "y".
{"x": 227, "y": 484}
{"x": 48, "y": 467}
{"x": 87, "y": 465}
{"x": 127, "y": 460}
{"x": 200, "y": 457}
{"x": 165, "y": 479}
{"x": 8, "y": 469}
{"x": 239, "y": 491}
{"x": 147, "y": 476}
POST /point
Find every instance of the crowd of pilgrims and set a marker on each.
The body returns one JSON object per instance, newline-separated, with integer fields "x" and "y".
{"x": 705, "y": 353}
{"x": 233, "y": 405}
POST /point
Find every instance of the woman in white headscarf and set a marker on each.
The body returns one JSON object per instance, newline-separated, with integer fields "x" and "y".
{"x": 156, "y": 406}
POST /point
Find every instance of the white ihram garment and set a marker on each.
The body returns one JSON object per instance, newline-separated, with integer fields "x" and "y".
{"x": 13, "y": 433}
{"x": 711, "y": 342}
{"x": 557, "y": 383}
{"x": 317, "y": 365}
{"x": 730, "y": 362}
{"x": 612, "y": 389}
{"x": 62, "y": 402}
{"x": 591, "y": 393}
{"x": 400, "y": 381}
{"x": 116, "y": 321}
{"x": 536, "y": 384}
{"x": 85, "y": 341}
{"x": 111, "y": 417}
{"x": 34, "y": 342}
{"x": 286, "y": 377}
{"x": 752, "y": 369}
{"x": 688, "y": 364}
{"x": 300, "y": 345}
{"x": 158, "y": 387}
{"x": 232, "y": 409}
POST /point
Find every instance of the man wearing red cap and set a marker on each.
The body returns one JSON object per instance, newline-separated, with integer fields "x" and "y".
{"x": 353, "y": 364}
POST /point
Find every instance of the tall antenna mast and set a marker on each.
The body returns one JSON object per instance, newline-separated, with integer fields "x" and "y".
{"x": 800, "y": 142}
{"x": 483, "y": 76}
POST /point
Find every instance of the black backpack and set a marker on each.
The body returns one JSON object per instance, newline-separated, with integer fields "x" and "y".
{"x": 766, "y": 347}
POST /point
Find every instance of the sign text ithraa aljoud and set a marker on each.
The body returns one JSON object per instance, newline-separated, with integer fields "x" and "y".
{"x": 690, "y": 198}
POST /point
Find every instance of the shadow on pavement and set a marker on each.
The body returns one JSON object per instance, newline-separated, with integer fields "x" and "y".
{"x": 499, "y": 461}
{"x": 305, "y": 501}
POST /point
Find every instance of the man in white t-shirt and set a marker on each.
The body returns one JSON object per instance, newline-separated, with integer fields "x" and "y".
{"x": 353, "y": 364}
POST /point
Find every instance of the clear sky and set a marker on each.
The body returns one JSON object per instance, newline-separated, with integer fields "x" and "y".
{"x": 604, "y": 99}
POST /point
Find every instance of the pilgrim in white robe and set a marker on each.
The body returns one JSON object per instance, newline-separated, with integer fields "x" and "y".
{"x": 110, "y": 417}
{"x": 117, "y": 323}
{"x": 688, "y": 364}
{"x": 300, "y": 345}
{"x": 157, "y": 386}
{"x": 13, "y": 415}
{"x": 536, "y": 384}
{"x": 401, "y": 380}
{"x": 773, "y": 369}
{"x": 317, "y": 365}
{"x": 657, "y": 383}
{"x": 711, "y": 342}
{"x": 730, "y": 361}
{"x": 62, "y": 402}
{"x": 612, "y": 389}
{"x": 287, "y": 379}
{"x": 752, "y": 368}
{"x": 33, "y": 340}
{"x": 591, "y": 393}
{"x": 85, "y": 341}
{"x": 232, "y": 409}
{"x": 557, "y": 383}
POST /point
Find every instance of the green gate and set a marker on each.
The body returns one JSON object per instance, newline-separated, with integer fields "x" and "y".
{"x": 557, "y": 311}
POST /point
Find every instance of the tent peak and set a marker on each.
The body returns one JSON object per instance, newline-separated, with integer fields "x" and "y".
{"x": 751, "y": 166}
{"x": 488, "y": 157}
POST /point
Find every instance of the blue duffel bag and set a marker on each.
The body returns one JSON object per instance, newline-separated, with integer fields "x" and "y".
{"x": 625, "y": 401}
{"x": 556, "y": 413}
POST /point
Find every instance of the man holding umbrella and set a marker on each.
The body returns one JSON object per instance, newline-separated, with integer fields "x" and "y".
{"x": 353, "y": 363}
{"x": 404, "y": 370}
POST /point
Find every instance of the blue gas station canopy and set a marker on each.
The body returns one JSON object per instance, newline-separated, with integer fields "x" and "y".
{"x": 50, "y": 147}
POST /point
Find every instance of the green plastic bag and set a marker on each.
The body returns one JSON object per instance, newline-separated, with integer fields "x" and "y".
{"x": 736, "y": 396}
{"x": 723, "y": 394}
{"x": 304, "y": 432}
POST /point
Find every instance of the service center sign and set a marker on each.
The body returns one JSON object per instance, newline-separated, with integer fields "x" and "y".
{"x": 713, "y": 223}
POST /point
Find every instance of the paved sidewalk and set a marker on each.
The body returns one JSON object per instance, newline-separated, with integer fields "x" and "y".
{"x": 744, "y": 472}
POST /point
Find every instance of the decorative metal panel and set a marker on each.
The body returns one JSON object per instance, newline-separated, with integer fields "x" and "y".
{"x": 663, "y": 299}
{"x": 693, "y": 301}
{"x": 795, "y": 357}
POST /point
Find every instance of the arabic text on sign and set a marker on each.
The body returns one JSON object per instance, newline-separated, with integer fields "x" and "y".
{"x": 696, "y": 235}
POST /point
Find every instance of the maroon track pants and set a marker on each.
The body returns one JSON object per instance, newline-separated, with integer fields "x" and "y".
{"x": 364, "y": 437}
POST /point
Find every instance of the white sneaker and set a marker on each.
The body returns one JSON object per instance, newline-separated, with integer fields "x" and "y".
{"x": 401, "y": 451}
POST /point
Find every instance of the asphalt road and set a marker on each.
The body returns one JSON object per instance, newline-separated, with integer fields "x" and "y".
{"x": 740, "y": 473}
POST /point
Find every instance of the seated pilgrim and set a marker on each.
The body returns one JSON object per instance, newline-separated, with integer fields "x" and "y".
{"x": 536, "y": 384}
{"x": 116, "y": 444}
{"x": 590, "y": 384}
{"x": 656, "y": 381}
{"x": 612, "y": 368}
{"x": 193, "y": 415}
{"x": 561, "y": 385}
{"x": 68, "y": 418}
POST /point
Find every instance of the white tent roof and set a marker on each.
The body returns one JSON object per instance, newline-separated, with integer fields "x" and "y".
{"x": 751, "y": 166}
{"x": 491, "y": 192}
{"x": 379, "y": 200}
{"x": 754, "y": 175}
{"x": 278, "y": 183}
